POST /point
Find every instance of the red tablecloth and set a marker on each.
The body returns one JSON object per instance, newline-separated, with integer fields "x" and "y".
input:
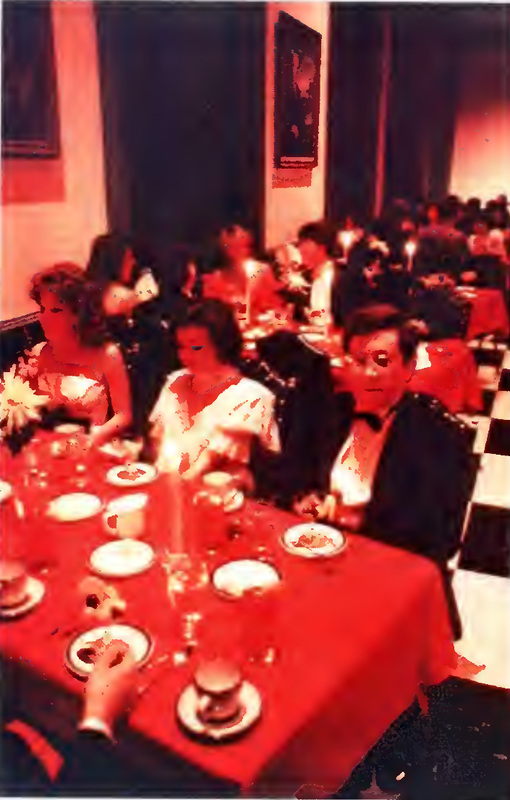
{"x": 488, "y": 314}
{"x": 451, "y": 377}
{"x": 355, "y": 635}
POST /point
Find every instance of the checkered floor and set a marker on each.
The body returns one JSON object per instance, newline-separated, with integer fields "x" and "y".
{"x": 482, "y": 579}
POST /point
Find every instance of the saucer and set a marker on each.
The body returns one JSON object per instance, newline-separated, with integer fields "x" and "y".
{"x": 237, "y": 577}
{"x": 313, "y": 540}
{"x": 34, "y": 595}
{"x": 122, "y": 558}
{"x": 128, "y": 475}
{"x": 5, "y": 491}
{"x": 74, "y": 507}
{"x": 140, "y": 645}
{"x": 250, "y": 703}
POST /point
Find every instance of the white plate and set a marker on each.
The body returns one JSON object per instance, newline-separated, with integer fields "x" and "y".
{"x": 313, "y": 531}
{"x": 5, "y": 491}
{"x": 69, "y": 429}
{"x": 122, "y": 558}
{"x": 35, "y": 593}
{"x": 122, "y": 448}
{"x": 139, "y": 643}
{"x": 237, "y": 577}
{"x": 251, "y": 709}
{"x": 74, "y": 507}
{"x": 129, "y": 475}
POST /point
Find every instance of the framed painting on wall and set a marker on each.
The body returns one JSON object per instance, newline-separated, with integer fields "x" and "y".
{"x": 297, "y": 93}
{"x": 30, "y": 125}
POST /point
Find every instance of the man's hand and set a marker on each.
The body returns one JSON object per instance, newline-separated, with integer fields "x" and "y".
{"x": 110, "y": 689}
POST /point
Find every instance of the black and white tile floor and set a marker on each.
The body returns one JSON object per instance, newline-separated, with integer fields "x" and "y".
{"x": 482, "y": 576}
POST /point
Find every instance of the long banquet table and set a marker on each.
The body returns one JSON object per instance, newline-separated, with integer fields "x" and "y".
{"x": 354, "y": 636}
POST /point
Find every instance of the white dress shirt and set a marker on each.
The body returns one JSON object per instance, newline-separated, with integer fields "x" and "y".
{"x": 321, "y": 294}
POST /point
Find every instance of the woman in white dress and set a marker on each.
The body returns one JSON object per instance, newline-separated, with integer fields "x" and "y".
{"x": 76, "y": 369}
{"x": 208, "y": 415}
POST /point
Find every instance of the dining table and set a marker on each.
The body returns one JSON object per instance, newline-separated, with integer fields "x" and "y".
{"x": 351, "y": 637}
{"x": 488, "y": 313}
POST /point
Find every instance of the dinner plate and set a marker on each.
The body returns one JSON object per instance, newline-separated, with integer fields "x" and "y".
{"x": 250, "y": 710}
{"x": 35, "y": 593}
{"x": 69, "y": 429}
{"x": 237, "y": 577}
{"x": 129, "y": 475}
{"x": 140, "y": 645}
{"x": 122, "y": 449}
{"x": 313, "y": 540}
{"x": 74, "y": 507}
{"x": 5, "y": 491}
{"x": 122, "y": 558}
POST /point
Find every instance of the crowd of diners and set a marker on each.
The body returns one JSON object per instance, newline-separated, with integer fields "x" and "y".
{"x": 139, "y": 345}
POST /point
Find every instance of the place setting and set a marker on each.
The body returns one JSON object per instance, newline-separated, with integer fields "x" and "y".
{"x": 19, "y": 591}
{"x": 219, "y": 705}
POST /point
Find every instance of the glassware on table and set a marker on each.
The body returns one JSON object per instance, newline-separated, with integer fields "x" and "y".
{"x": 215, "y": 504}
{"x": 186, "y": 579}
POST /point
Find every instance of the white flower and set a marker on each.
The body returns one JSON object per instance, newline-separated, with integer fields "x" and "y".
{"x": 19, "y": 403}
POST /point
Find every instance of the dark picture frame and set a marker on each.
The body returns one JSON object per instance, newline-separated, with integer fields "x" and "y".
{"x": 30, "y": 124}
{"x": 297, "y": 93}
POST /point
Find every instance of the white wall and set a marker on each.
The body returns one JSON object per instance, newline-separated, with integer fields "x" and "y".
{"x": 36, "y": 234}
{"x": 481, "y": 157}
{"x": 287, "y": 207}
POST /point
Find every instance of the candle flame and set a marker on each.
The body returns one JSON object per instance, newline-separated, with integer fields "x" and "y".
{"x": 410, "y": 248}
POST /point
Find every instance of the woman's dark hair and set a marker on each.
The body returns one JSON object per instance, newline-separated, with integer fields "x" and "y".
{"x": 381, "y": 317}
{"x": 363, "y": 254}
{"x": 70, "y": 284}
{"x": 322, "y": 233}
{"x": 107, "y": 254}
{"x": 220, "y": 322}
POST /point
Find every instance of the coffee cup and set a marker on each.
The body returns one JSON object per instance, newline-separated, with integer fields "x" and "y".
{"x": 13, "y": 584}
{"x": 125, "y": 516}
{"x": 218, "y": 683}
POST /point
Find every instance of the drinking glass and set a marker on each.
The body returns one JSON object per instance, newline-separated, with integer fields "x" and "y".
{"x": 186, "y": 579}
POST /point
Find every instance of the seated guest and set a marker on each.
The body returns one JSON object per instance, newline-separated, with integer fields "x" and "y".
{"x": 443, "y": 312}
{"x": 125, "y": 271}
{"x": 76, "y": 367}
{"x": 208, "y": 416}
{"x": 316, "y": 243}
{"x": 402, "y": 474}
{"x": 439, "y": 241}
{"x": 242, "y": 281}
{"x": 368, "y": 280}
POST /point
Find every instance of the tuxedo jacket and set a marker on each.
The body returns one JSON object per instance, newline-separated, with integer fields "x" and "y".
{"x": 422, "y": 482}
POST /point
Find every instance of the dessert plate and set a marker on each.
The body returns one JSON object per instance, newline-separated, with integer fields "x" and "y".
{"x": 235, "y": 578}
{"x": 5, "y": 491}
{"x": 74, "y": 507}
{"x": 83, "y": 649}
{"x": 187, "y": 711}
{"x": 129, "y": 475}
{"x": 34, "y": 595}
{"x": 122, "y": 558}
{"x": 313, "y": 540}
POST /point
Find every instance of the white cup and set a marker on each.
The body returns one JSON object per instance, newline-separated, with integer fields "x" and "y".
{"x": 125, "y": 516}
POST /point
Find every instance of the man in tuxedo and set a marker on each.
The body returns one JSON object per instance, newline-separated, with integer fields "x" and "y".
{"x": 315, "y": 242}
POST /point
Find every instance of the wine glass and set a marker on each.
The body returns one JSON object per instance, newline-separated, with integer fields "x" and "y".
{"x": 186, "y": 578}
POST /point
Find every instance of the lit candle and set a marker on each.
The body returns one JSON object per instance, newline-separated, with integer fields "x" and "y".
{"x": 346, "y": 240}
{"x": 170, "y": 465}
{"x": 249, "y": 267}
{"x": 410, "y": 250}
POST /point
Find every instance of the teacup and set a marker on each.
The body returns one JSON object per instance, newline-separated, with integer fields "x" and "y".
{"x": 13, "y": 583}
{"x": 218, "y": 683}
{"x": 125, "y": 516}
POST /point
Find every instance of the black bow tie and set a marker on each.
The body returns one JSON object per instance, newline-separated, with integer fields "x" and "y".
{"x": 372, "y": 420}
